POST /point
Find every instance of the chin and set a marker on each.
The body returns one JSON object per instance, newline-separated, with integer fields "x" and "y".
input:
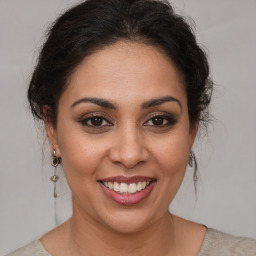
{"x": 128, "y": 223}
{"x": 129, "y": 220}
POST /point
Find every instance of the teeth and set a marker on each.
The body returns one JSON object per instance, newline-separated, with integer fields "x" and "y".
{"x": 116, "y": 187}
{"x": 132, "y": 188}
{"x": 124, "y": 188}
{"x": 110, "y": 185}
{"x": 139, "y": 186}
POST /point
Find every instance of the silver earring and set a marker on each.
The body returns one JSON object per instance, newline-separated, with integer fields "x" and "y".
{"x": 54, "y": 162}
{"x": 193, "y": 163}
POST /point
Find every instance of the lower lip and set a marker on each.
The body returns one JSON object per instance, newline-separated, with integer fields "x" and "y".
{"x": 128, "y": 199}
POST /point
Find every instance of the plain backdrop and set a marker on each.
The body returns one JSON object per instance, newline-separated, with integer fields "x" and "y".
{"x": 226, "y": 196}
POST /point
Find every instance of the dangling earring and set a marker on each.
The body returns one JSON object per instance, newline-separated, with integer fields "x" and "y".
{"x": 192, "y": 162}
{"x": 54, "y": 162}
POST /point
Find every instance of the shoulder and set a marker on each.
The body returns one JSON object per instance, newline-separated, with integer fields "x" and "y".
{"x": 34, "y": 248}
{"x": 217, "y": 243}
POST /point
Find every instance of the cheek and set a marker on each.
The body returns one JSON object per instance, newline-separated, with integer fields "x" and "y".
{"x": 81, "y": 161}
{"x": 171, "y": 157}
{"x": 174, "y": 149}
{"x": 80, "y": 155}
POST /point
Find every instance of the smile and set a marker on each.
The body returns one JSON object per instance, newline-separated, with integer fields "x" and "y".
{"x": 127, "y": 190}
{"x": 124, "y": 188}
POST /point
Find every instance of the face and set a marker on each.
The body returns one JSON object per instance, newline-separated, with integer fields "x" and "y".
{"x": 124, "y": 136}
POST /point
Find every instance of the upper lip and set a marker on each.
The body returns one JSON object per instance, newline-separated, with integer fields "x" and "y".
{"x": 128, "y": 180}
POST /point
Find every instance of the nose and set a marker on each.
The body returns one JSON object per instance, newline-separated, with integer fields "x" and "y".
{"x": 129, "y": 148}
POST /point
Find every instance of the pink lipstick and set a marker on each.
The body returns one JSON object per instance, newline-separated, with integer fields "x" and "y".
{"x": 127, "y": 190}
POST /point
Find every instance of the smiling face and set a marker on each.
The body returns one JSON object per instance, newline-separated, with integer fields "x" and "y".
{"x": 124, "y": 136}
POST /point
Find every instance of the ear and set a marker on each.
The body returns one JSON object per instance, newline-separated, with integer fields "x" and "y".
{"x": 51, "y": 131}
{"x": 193, "y": 132}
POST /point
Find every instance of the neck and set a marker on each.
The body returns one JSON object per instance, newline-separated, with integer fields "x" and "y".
{"x": 89, "y": 237}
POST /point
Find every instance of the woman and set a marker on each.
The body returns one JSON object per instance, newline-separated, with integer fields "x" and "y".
{"x": 122, "y": 87}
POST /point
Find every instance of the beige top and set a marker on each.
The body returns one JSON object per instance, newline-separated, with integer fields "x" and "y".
{"x": 215, "y": 243}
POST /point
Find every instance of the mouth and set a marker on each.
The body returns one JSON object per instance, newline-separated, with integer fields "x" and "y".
{"x": 127, "y": 190}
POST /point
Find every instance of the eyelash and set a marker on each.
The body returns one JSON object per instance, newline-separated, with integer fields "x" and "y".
{"x": 85, "y": 121}
{"x": 169, "y": 120}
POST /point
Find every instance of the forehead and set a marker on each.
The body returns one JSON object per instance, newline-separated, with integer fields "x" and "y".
{"x": 128, "y": 70}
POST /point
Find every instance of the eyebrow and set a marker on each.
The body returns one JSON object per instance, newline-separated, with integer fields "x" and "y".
{"x": 159, "y": 101}
{"x": 101, "y": 102}
{"x": 147, "y": 104}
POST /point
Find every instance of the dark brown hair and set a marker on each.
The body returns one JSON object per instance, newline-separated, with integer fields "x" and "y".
{"x": 94, "y": 24}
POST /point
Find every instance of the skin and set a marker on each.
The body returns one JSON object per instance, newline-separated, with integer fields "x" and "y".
{"x": 126, "y": 143}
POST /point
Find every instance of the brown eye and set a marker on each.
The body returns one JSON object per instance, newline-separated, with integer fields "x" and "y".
{"x": 161, "y": 121}
{"x": 158, "y": 120}
{"x": 96, "y": 121}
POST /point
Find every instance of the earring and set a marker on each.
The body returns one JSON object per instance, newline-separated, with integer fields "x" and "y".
{"x": 54, "y": 162}
{"x": 192, "y": 162}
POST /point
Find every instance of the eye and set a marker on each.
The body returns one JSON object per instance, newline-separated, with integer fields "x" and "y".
{"x": 161, "y": 121}
{"x": 95, "y": 121}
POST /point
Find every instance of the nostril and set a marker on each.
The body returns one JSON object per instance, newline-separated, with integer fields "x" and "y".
{"x": 128, "y": 155}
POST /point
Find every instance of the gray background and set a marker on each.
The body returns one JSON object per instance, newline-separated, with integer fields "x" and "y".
{"x": 227, "y": 155}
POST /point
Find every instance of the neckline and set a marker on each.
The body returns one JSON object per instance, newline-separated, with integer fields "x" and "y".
{"x": 206, "y": 241}
{"x": 203, "y": 248}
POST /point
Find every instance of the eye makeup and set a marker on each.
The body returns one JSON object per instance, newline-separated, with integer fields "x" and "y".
{"x": 159, "y": 120}
{"x": 97, "y": 121}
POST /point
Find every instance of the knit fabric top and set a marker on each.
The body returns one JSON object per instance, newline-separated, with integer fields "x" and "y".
{"x": 215, "y": 243}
